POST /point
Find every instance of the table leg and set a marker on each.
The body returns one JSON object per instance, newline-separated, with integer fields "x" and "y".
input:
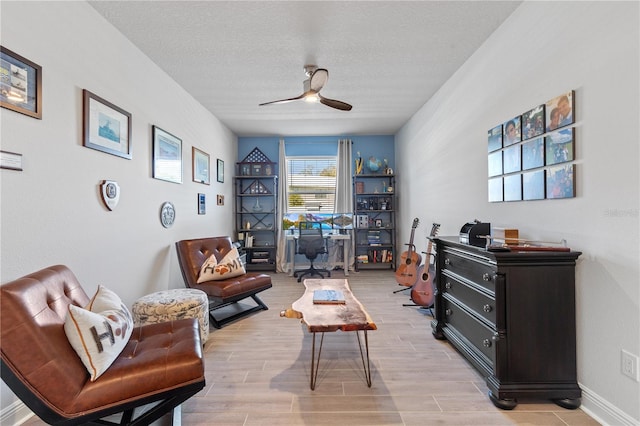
{"x": 292, "y": 256}
{"x": 314, "y": 362}
{"x": 366, "y": 366}
{"x": 346, "y": 248}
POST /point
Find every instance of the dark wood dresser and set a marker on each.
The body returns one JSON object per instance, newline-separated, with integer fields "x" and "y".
{"x": 512, "y": 316}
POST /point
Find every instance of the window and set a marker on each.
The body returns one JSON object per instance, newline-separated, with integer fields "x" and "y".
{"x": 311, "y": 184}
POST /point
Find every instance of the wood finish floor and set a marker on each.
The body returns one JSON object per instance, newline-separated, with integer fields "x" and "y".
{"x": 258, "y": 368}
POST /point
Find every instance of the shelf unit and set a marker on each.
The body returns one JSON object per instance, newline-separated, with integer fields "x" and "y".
{"x": 375, "y": 221}
{"x": 256, "y": 219}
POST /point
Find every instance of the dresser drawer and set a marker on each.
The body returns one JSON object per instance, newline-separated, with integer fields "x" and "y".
{"x": 474, "y": 331}
{"x": 473, "y": 296}
{"x": 470, "y": 268}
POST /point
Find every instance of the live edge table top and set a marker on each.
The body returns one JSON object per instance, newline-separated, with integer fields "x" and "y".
{"x": 350, "y": 316}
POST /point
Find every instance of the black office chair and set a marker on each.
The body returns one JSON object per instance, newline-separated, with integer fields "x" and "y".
{"x": 311, "y": 243}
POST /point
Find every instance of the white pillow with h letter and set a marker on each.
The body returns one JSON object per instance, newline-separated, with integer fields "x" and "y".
{"x": 230, "y": 266}
{"x": 100, "y": 332}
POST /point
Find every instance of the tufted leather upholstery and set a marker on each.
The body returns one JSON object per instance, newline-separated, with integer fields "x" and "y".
{"x": 193, "y": 253}
{"x": 160, "y": 361}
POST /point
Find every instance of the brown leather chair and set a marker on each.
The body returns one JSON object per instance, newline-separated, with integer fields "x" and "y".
{"x": 161, "y": 363}
{"x": 193, "y": 253}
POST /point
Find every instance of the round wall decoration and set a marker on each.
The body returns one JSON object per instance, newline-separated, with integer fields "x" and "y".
{"x": 167, "y": 214}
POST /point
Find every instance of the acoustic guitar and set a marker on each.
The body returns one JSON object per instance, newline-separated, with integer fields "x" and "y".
{"x": 407, "y": 272}
{"x": 423, "y": 291}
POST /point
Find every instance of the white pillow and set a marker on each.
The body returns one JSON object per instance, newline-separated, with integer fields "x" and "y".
{"x": 100, "y": 332}
{"x": 230, "y": 266}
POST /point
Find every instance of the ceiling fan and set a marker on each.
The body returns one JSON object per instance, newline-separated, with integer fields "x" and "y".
{"x": 316, "y": 79}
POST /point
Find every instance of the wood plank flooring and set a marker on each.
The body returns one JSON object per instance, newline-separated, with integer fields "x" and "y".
{"x": 257, "y": 371}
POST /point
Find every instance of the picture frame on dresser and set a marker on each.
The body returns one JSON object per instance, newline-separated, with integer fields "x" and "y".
{"x": 106, "y": 127}
{"x": 21, "y": 87}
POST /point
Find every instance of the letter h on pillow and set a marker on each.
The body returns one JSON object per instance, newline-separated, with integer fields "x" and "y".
{"x": 99, "y": 332}
{"x": 230, "y": 266}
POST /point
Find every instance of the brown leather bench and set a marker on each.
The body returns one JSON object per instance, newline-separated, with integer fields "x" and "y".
{"x": 193, "y": 253}
{"x": 161, "y": 363}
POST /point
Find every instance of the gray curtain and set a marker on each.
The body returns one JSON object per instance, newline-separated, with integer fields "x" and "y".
{"x": 344, "y": 186}
{"x": 283, "y": 196}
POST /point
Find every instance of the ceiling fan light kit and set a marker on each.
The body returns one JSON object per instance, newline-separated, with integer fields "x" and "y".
{"x": 317, "y": 78}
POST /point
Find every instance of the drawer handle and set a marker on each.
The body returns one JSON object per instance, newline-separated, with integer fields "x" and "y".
{"x": 487, "y": 308}
{"x": 447, "y": 262}
{"x": 447, "y": 285}
{"x": 448, "y": 312}
{"x": 486, "y": 343}
{"x": 486, "y": 277}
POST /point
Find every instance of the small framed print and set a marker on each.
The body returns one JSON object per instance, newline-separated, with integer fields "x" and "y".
{"x": 202, "y": 204}
{"x": 245, "y": 169}
{"x": 495, "y": 138}
{"x": 559, "y": 111}
{"x": 512, "y": 131}
{"x": 512, "y": 161}
{"x": 220, "y": 171}
{"x": 106, "y": 127}
{"x": 533, "y": 154}
{"x": 20, "y": 84}
{"x": 256, "y": 170}
{"x": 533, "y": 122}
{"x": 200, "y": 166}
{"x": 513, "y": 188}
{"x": 495, "y": 190}
{"x": 559, "y": 146}
{"x": 167, "y": 156}
{"x": 220, "y": 200}
{"x": 533, "y": 185}
{"x": 495, "y": 164}
{"x": 561, "y": 181}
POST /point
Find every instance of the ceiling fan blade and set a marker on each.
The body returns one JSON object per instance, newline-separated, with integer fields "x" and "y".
{"x": 335, "y": 104}
{"x": 318, "y": 79}
{"x": 283, "y": 101}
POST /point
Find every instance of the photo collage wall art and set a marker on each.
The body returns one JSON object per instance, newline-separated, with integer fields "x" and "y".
{"x": 530, "y": 156}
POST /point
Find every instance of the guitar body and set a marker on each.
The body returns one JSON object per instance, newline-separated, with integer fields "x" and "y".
{"x": 423, "y": 291}
{"x": 407, "y": 272}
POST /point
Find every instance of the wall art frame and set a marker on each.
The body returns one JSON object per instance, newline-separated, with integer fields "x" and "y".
{"x": 202, "y": 203}
{"x": 106, "y": 127}
{"x": 20, "y": 84}
{"x": 220, "y": 170}
{"x": 559, "y": 111}
{"x": 200, "y": 166}
{"x": 559, "y": 146}
{"x": 167, "y": 156}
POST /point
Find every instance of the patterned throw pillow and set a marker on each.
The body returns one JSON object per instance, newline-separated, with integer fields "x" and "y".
{"x": 230, "y": 266}
{"x": 99, "y": 332}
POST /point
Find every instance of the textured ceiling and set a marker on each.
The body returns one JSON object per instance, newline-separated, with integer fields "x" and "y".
{"x": 386, "y": 58}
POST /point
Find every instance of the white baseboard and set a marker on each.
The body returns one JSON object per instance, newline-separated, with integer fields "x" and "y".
{"x": 603, "y": 411}
{"x": 15, "y": 414}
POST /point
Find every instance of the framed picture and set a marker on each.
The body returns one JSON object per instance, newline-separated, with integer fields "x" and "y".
{"x": 533, "y": 185}
{"x": 512, "y": 131}
{"x": 561, "y": 181}
{"x": 378, "y": 223}
{"x": 533, "y": 154}
{"x": 495, "y": 190}
{"x": 107, "y": 128}
{"x": 20, "y": 84}
{"x": 167, "y": 156}
{"x": 495, "y": 164}
{"x": 202, "y": 204}
{"x": 512, "y": 161}
{"x": 245, "y": 169}
{"x": 495, "y": 138}
{"x": 559, "y": 146}
{"x": 200, "y": 166}
{"x": 513, "y": 188}
{"x": 220, "y": 171}
{"x": 559, "y": 111}
{"x": 256, "y": 169}
{"x": 220, "y": 199}
{"x": 533, "y": 123}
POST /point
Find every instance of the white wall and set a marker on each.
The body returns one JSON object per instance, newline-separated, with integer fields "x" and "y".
{"x": 541, "y": 51}
{"x": 51, "y": 212}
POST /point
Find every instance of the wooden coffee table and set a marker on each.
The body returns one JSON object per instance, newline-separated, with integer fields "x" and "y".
{"x": 322, "y": 318}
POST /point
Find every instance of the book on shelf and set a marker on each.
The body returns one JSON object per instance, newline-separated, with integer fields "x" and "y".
{"x": 328, "y": 297}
